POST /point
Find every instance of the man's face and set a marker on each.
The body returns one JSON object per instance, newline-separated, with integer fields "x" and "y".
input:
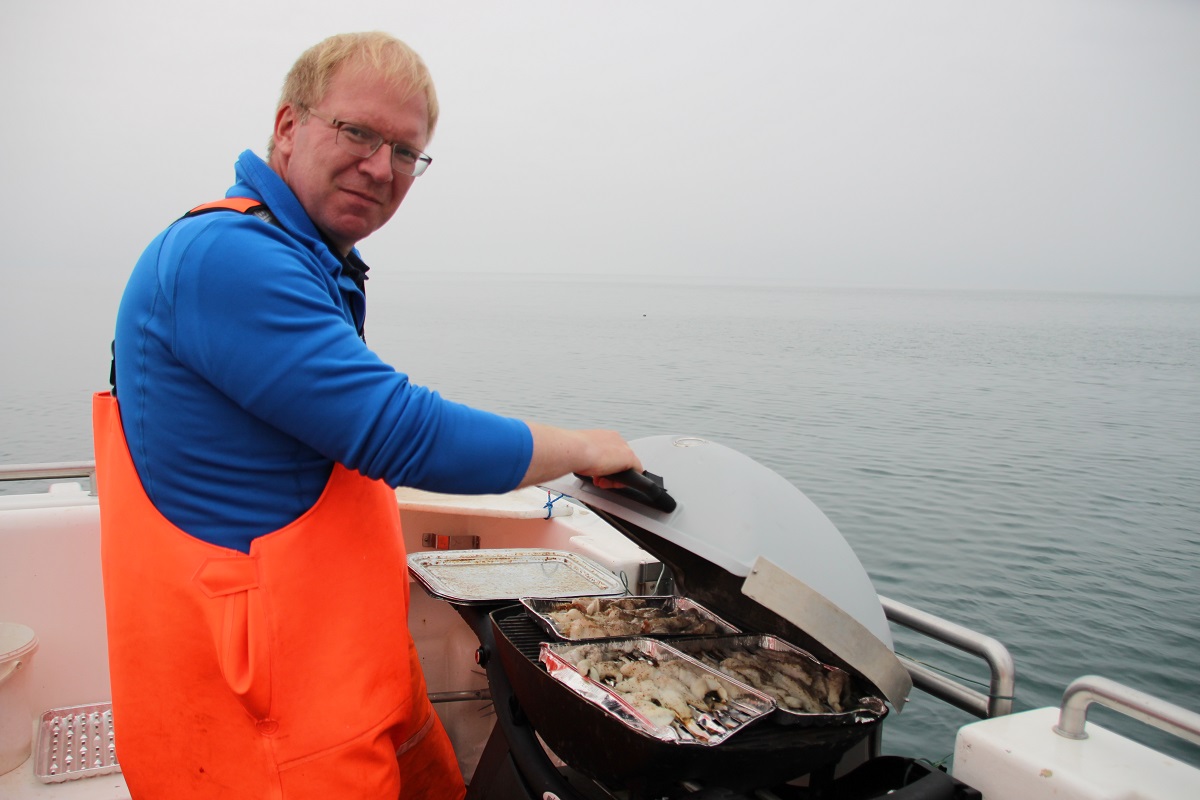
{"x": 347, "y": 197}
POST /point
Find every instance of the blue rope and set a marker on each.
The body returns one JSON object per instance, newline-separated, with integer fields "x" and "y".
{"x": 550, "y": 503}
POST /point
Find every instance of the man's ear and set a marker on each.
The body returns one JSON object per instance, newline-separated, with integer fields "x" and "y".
{"x": 286, "y": 122}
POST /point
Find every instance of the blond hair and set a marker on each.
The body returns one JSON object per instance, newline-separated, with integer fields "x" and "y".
{"x": 375, "y": 52}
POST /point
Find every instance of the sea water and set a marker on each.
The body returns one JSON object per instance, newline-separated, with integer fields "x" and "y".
{"x": 1026, "y": 465}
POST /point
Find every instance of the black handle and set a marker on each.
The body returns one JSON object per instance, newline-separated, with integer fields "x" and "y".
{"x": 644, "y": 487}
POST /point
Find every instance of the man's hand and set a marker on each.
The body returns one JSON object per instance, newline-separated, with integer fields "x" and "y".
{"x": 595, "y": 453}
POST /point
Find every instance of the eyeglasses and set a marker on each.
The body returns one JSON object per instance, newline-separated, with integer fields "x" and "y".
{"x": 363, "y": 142}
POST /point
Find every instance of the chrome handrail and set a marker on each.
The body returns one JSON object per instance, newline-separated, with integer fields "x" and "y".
{"x": 50, "y": 472}
{"x": 1131, "y": 702}
{"x": 1002, "y": 686}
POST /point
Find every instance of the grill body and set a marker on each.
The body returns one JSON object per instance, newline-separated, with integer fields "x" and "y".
{"x": 601, "y": 747}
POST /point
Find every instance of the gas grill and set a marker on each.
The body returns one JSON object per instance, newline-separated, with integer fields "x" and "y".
{"x": 741, "y": 541}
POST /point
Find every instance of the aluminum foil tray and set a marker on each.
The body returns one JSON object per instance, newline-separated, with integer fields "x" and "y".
{"x": 855, "y": 706}
{"x": 567, "y": 661}
{"x": 470, "y": 577}
{"x": 75, "y": 742}
{"x": 622, "y": 617}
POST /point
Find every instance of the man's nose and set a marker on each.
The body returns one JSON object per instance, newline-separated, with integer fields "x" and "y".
{"x": 379, "y": 164}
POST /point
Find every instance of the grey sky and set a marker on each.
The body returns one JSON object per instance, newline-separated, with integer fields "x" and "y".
{"x": 1025, "y": 144}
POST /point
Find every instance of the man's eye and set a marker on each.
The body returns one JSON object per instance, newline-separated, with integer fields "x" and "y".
{"x": 357, "y": 134}
{"x": 405, "y": 154}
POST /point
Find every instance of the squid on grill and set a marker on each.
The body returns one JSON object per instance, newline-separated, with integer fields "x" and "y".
{"x": 668, "y": 692}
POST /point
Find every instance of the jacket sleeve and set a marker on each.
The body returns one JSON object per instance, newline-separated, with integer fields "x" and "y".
{"x": 257, "y": 316}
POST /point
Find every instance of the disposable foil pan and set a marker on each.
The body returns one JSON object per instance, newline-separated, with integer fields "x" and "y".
{"x": 75, "y": 742}
{"x": 856, "y": 706}
{"x": 636, "y": 615}
{"x": 706, "y": 726}
{"x": 470, "y": 577}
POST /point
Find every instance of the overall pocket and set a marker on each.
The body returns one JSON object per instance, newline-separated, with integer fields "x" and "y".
{"x": 238, "y": 626}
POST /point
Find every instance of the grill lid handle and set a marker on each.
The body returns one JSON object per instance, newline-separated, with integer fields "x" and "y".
{"x": 644, "y": 487}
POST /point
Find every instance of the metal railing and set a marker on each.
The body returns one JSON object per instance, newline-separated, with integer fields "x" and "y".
{"x": 1126, "y": 700}
{"x": 51, "y": 472}
{"x": 999, "y": 699}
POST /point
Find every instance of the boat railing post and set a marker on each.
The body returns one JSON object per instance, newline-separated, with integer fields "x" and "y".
{"x": 1079, "y": 696}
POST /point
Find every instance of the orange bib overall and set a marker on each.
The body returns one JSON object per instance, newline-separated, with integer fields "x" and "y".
{"x": 287, "y": 673}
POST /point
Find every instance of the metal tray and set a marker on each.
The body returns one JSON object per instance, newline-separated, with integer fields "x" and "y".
{"x": 656, "y": 606}
{"x": 741, "y": 707}
{"x": 75, "y": 742}
{"x": 470, "y": 577}
{"x": 857, "y": 708}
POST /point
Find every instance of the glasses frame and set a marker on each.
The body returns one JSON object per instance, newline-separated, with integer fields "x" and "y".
{"x": 418, "y": 167}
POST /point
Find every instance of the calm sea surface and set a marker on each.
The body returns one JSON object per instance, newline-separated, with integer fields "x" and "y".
{"x": 1027, "y": 465}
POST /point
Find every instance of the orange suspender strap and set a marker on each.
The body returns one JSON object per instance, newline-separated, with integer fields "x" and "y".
{"x": 240, "y": 204}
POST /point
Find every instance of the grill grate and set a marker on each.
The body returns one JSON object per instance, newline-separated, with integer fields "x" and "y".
{"x": 524, "y": 634}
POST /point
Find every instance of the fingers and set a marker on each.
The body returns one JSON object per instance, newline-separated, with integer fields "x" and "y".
{"x": 609, "y": 454}
{"x": 605, "y": 483}
{"x": 558, "y": 451}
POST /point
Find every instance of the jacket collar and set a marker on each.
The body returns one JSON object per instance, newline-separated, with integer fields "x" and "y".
{"x": 256, "y": 179}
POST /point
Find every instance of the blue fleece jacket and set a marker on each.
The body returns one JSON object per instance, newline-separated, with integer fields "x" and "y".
{"x": 242, "y": 378}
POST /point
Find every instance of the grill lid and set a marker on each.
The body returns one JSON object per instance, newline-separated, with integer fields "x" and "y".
{"x": 739, "y": 531}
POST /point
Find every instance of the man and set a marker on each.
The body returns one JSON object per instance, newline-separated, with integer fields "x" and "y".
{"x": 255, "y": 578}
